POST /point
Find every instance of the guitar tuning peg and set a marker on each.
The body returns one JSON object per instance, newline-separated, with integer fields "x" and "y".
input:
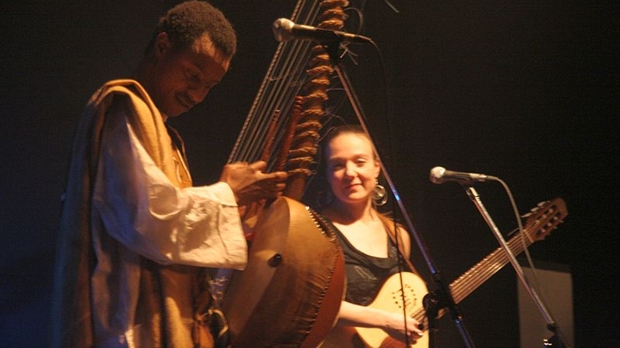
{"x": 541, "y": 204}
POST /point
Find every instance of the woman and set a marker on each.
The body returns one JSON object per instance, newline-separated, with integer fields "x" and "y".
{"x": 366, "y": 236}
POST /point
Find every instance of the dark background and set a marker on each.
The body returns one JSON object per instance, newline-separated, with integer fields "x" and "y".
{"x": 523, "y": 90}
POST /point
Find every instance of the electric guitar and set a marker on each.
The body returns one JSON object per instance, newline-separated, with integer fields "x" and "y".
{"x": 541, "y": 220}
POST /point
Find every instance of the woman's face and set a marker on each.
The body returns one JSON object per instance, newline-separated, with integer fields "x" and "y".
{"x": 351, "y": 168}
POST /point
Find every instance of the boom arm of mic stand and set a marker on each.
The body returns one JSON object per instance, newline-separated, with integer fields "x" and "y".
{"x": 551, "y": 324}
{"x": 332, "y": 50}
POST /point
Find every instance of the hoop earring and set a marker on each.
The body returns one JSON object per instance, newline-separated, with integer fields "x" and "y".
{"x": 379, "y": 194}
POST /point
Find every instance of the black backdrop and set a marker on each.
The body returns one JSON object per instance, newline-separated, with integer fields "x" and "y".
{"x": 523, "y": 90}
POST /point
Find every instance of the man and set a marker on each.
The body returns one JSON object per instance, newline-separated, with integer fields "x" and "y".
{"x": 136, "y": 237}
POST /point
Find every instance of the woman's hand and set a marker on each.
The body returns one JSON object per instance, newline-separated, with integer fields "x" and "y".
{"x": 395, "y": 326}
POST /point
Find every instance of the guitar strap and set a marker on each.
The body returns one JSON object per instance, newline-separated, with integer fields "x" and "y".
{"x": 391, "y": 227}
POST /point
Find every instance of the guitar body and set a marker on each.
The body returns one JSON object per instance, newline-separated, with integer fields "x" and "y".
{"x": 389, "y": 298}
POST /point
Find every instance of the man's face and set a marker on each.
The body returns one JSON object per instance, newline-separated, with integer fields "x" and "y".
{"x": 182, "y": 78}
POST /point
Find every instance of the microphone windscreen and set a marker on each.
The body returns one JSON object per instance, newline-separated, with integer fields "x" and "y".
{"x": 437, "y": 174}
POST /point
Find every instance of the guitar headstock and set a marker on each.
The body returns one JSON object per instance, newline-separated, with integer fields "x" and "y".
{"x": 544, "y": 218}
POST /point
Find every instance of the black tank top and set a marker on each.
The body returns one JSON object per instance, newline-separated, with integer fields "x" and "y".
{"x": 365, "y": 273}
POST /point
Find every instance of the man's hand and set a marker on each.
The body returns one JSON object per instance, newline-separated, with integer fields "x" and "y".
{"x": 250, "y": 184}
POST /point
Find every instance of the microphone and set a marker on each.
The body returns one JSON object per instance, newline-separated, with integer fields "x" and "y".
{"x": 439, "y": 175}
{"x": 285, "y": 30}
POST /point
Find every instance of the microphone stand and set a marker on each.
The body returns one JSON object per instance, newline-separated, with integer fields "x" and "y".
{"x": 433, "y": 302}
{"x": 551, "y": 324}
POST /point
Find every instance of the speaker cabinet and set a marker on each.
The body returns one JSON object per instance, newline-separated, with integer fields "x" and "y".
{"x": 556, "y": 291}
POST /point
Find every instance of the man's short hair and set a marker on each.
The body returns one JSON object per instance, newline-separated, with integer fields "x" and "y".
{"x": 188, "y": 21}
